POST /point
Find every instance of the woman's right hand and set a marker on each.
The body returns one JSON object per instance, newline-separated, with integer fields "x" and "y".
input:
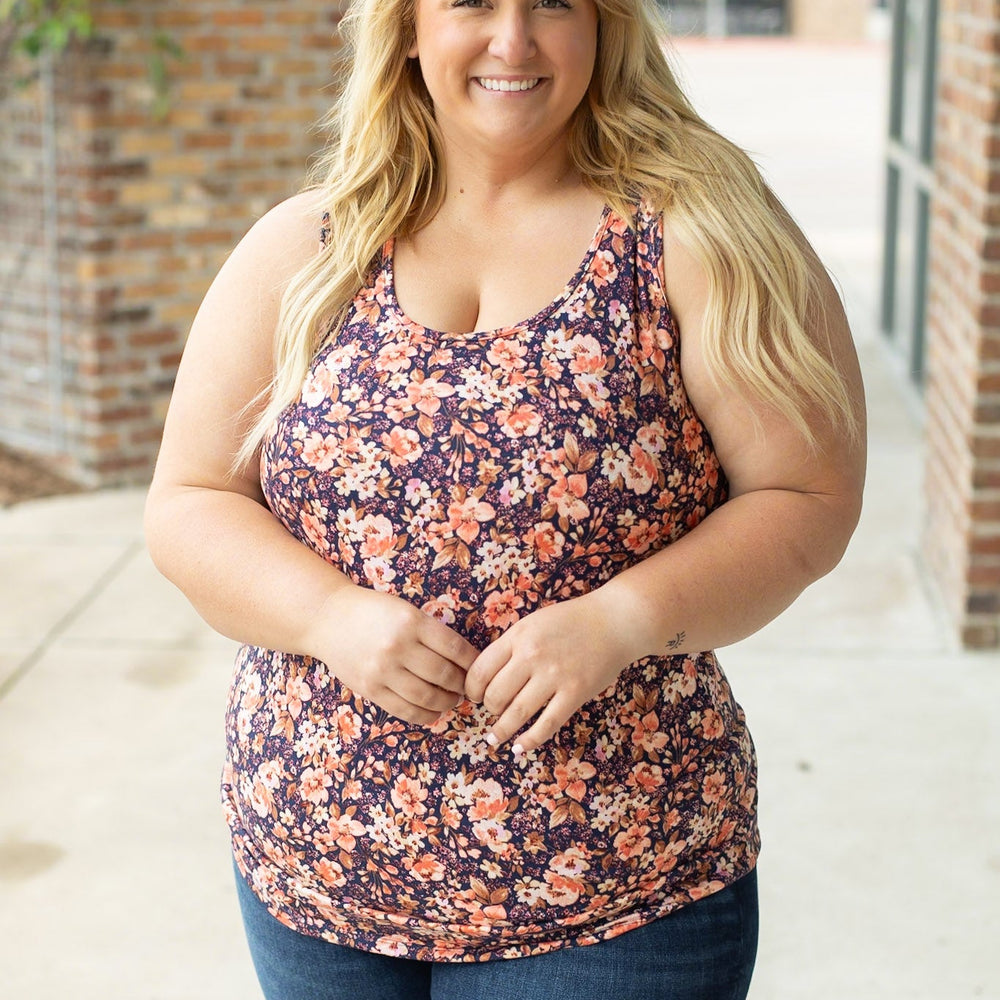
{"x": 392, "y": 653}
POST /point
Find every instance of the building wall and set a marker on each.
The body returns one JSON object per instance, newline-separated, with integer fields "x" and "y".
{"x": 144, "y": 213}
{"x": 829, "y": 20}
{"x": 962, "y": 537}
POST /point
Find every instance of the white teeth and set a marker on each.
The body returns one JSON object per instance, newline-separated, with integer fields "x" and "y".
{"x": 507, "y": 85}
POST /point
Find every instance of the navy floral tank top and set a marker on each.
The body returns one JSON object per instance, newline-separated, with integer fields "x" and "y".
{"x": 481, "y": 476}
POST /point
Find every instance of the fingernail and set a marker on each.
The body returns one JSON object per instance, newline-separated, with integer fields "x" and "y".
{"x": 491, "y": 739}
{"x": 517, "y": 750}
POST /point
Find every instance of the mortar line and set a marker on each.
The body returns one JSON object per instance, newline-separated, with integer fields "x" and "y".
{"x": 72, "y": 615}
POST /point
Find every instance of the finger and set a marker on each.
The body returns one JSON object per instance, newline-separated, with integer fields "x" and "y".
{"x": 525, "y": 704}
{"x": 550, "y": 720}
{"x": 484, "y": 668}
{"x": 437, "y": 670}
{"x": 446, "y": 642}
{"x": 417, "y": 691}
{"x": 406, "y": 710}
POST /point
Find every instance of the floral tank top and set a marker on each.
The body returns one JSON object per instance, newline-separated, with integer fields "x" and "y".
{"x": 481, "y": 476}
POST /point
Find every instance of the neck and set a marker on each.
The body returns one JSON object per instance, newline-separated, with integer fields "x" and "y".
{"x": 494, "y": 179}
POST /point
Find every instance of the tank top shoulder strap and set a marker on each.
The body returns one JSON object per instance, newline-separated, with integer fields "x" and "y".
{"x": 650, "y": 294}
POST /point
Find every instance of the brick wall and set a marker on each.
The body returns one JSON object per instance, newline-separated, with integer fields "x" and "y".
{"x": 962, "y": 537}
{"x": 145, "y": 211}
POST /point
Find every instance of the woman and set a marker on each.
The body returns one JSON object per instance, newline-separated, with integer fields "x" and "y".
{"x": 477, "y": 560}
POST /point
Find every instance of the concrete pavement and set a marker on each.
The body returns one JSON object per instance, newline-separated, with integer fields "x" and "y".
{"x": 878, "y": 739}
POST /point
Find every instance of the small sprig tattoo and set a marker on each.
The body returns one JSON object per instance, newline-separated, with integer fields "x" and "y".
{"x": 677, "y": 640}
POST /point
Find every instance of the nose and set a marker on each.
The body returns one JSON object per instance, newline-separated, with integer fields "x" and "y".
{"x": 512, "y": 40}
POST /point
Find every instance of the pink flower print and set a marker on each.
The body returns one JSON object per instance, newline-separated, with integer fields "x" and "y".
{"x": 640, "y": 472}
{"x": 378, "y": 537}
{"x": 319, "y": 451}
{"x": 403, "y": 445}
{"x": 632, "y": 842}
{"x": 587, "y": 356}
{"x": 396, "y": 945}
{"x": 492, "y": 834}
{"x": 522, "y": 421}
{"x": 570, "y": 863}
{"x": 501, "y": 608}
{"x": 427, "y": 868}
{"x": 296, "y": 692}
{"x": 572, "y": 777}
{"x": 593, "y": 389}
{"x": 507, "y": 354}
{"x": 425, "y": 394}
{"x": 313, "y": 785}
{"x": 465, "y": 516}
{"x": 408, "y": 796}
{"x": 337, "y": 413}
{"x": 394, "y": 357}
{"x": 652, "y": 438}
{"x": 315, "y": 529}
{"x": 442, "y": 607}
{"x": 380, "y": 574}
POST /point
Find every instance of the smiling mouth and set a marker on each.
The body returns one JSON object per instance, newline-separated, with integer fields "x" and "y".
{"x": 507, "y": 86}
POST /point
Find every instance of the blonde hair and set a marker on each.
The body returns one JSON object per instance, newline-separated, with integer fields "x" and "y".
{"x": 634, "y": 135}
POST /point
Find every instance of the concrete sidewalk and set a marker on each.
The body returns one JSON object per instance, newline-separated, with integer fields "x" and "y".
{"x": 878, "y": 739}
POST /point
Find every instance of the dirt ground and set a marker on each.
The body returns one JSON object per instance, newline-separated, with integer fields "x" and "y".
{"x": 24, "y": 477}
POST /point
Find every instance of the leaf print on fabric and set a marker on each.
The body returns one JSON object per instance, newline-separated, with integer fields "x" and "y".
{"x": 482, "y": 476}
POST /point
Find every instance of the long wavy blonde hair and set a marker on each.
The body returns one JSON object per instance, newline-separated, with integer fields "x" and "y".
{"x": 635, "y": 134}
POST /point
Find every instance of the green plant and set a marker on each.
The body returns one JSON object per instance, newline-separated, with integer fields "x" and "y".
{"x": 38, "y": 28}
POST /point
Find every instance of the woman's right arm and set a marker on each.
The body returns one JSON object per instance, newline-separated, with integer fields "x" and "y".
{"x": 210, "y": 533}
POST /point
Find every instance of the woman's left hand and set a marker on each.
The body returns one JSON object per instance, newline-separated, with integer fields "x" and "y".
{"x": 553, "y": 660}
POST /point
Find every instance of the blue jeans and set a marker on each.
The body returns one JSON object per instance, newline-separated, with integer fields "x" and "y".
{"x": 704, "y": 951}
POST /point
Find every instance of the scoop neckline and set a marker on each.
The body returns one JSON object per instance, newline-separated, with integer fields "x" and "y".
{"x": 584, "y": 267}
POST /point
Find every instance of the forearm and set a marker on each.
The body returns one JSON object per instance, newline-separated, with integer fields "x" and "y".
{"x": 731, "y": 575}
{"x": 238, "y": 566}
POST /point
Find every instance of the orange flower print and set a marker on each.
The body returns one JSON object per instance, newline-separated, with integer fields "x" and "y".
{"x": 632, "y": 841}
{"x": 378, "y": 536}
{"x": 320, "y": 451}
{"x": 641, "y": 472}
{"x": 479, "y": 477}
{"x": 507, "y": 354}
{"x": 408, "y": 796}
{"x": 394, "y": 357}
{"x": 713, "y": 787}
{"x": 427, "y": 868}
{"x": 502, "y": 609}
{"x": 572, "y": 777}
{"x": 522, "y": 421}
{"x": 546, "y": 541}
{"x": 425, "y": 394}
{"x": 403, "y": 446}
{"x": 313, "y": 785}
{"x": 465, "y": 516}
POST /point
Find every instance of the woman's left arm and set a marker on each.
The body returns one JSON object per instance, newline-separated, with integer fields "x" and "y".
{"x": 793, "y": 507}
